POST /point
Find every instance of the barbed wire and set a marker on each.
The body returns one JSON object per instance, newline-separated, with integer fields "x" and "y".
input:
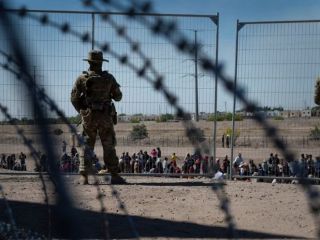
{"x": 168, "y": 30}
{"x": 224, "y": 201}
{"x": 121, "y": 32}
{"x": 43, "y": 96}
{"x": 53, "y": 107}
{"x": 160, "y": 27}
{"x": 35, "y": 155}
{"x": 158, "y": 83}
{"x": 193, "y": 133}
{"x": 66, "y": 213}
{"x": 122, "y": 207}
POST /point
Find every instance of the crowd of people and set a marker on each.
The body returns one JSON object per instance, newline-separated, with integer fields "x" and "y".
{"x": 306, "y": 166}
{"x": 69, "y": 162}
{"x": 154, "y": 162}
{"x": 11, "y": 162}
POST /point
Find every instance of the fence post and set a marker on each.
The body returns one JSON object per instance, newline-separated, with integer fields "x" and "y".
{"x": 267, "y": 142}
{"x": 92, "y": 31}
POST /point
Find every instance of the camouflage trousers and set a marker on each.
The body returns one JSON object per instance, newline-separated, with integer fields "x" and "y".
{"x": 98, "y": 123}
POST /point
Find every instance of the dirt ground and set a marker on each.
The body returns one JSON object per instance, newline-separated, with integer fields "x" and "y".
{"x": 167, "y": 208}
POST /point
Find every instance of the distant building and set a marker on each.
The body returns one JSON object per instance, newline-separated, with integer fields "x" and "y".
{"x": 241, "y": 113}
{"x": 248, "y": 114}
{"x": 316, "y": 113}
{"x": 306, "y": 113}
{"x": 290, "y": 113}
{"x": 295, "y": 113}
{"x": 124, "y": 118}
{"x": 272, "y": 114}
{"x": 204, "y": 116}
{"x": 151, "y": 117}
{"x": 285, "y": 114}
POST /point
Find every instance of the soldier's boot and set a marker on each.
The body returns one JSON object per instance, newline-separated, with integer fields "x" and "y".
{"x": 85, "y": 166}
{"x": 113, "y": 166}
{"x": 116, "y": 179}
{"x": 84, "y": 178}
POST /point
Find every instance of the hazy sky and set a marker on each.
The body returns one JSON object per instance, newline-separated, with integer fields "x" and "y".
{"x": 229, "y": 11}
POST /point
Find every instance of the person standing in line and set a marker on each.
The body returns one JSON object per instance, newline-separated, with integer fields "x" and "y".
{"x": 222, "y": 140}
{"x": 228, "y": 140}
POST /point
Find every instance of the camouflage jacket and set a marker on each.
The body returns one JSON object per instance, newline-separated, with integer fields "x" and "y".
{"x": 317, "y": 92}
{"x": 109, "y": 88}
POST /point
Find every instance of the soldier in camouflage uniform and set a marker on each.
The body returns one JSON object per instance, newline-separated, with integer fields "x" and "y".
{"x": 317, "y": 92}
{"x": 92, "y": 96}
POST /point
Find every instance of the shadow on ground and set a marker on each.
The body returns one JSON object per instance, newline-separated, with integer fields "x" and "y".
{"x": 175, "y": 184}
{"x": 166, "y": 184}
{"x": 34, "y": 216}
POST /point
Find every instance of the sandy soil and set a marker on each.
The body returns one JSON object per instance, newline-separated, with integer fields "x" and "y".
{"x": 169, "y": 208}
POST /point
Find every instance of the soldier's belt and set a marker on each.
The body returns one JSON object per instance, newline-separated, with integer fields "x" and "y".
{"x": 100, "y": 107}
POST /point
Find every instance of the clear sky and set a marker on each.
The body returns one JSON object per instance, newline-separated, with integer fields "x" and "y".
{"x": 229, "y": 10}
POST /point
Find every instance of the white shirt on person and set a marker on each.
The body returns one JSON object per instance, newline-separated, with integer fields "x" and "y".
{"x": 238, "y": 160}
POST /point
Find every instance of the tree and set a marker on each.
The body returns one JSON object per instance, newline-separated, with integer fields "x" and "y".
{"x": 135, "y": 120}
{"x": 315, "y": 133}
{"x": 220, "y": 117}
{"x": 139, "y": 132}
{"x": 225, "y": 117}
{"x": 166, "y": 117}
{"x": 75, "y": 119}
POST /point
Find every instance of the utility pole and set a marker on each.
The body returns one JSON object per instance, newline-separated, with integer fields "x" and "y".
{"x": 92, "y": 30}
{"x": 35, "y": 111}
{"x": 196, "y": 74}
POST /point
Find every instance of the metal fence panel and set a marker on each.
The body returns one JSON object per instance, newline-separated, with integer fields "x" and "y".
{"x": 58, "y": 59}
{"x": 277, "y": 66}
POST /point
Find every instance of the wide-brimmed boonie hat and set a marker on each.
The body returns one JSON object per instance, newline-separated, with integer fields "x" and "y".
{"x": 95, "y": 56}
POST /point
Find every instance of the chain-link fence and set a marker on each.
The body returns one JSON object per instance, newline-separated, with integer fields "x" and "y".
{"x": 277, "y": 65}
{"x": 43, "y": 106}
{"x": 57, "y": 61}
